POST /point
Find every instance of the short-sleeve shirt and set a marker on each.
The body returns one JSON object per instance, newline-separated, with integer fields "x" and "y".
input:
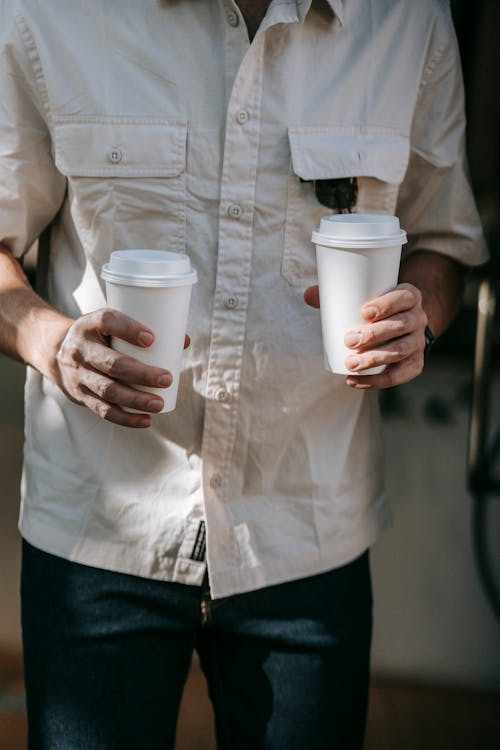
{"x": 159, "y": 125}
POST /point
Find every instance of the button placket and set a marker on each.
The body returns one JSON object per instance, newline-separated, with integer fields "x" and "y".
{"x": 239, "y": 171}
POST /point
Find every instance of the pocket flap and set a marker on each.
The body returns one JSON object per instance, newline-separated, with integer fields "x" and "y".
{"x": 323, "y": 154}
{"x": 119, "y": 147}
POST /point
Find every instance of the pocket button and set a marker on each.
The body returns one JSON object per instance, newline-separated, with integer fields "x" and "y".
{"x": 115, "y": 155}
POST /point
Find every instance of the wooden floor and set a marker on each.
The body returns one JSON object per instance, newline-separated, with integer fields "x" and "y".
{"x": 401, "y": 717}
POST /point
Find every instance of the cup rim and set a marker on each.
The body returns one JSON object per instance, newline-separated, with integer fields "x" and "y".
{"x": 343, "y": 243}
{"x": 350, "y": 231}
{"x": 123, "y": 279}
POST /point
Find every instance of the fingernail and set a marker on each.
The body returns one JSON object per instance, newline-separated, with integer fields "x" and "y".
{"x": 352, "y": 362}
{"x": 369, "y": 312}
{"x": 155, "y": 404}
{"x": 164, "y": 380}
{"x": 354, "y": 383}
{"x": 145, "y": 338}
{"x": 352, "y": 339}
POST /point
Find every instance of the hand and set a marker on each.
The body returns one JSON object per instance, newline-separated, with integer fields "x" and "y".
{"x": 92, "y": 374}
{"x": 393, "y": 336}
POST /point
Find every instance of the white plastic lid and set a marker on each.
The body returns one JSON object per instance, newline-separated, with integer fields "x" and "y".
{"x": 149, "y": 268}
{"x": 359, "y": 231}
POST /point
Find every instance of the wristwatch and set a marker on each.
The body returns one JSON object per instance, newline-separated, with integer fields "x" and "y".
{"x": 429, "y": 340}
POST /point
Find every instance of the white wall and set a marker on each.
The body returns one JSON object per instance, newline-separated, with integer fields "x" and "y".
{"x": 432, "y": 620}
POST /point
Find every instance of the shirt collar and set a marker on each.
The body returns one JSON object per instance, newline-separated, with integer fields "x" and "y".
{"x": 337, "y": 7}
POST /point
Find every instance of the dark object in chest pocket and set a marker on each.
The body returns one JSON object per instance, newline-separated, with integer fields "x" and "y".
{"x": 339, "y": 193}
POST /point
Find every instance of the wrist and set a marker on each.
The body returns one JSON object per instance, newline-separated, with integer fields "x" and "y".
{"x": 440, "y": 282}
{"x": 41, "y": 338}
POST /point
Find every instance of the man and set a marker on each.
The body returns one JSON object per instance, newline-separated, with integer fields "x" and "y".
{"x": 224, "y": 130}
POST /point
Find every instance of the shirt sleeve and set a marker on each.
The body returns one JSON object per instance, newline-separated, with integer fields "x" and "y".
{"x": 31, "y": 188}
{"x": 435, "y": 204}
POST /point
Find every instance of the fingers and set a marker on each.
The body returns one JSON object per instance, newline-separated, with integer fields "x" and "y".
{"x": 394, "y": 338}
{"x": 395, "y": 374}
{"x": 92, "y": 374}
{"x": 112, "y": 392}
{"x": 389, "y": 353}
{"x": 108, "y": 322}
{"x": 113, "y": 413}
{"x": 377, "y": 333}
{"x": 403, "y": 297}
{"x": 120, "y": 366}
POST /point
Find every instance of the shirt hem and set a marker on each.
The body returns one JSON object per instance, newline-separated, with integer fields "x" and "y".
{"x": 112, "y": 556}
{"x": 115, "y": 557}
{"x": 228, "y": 582}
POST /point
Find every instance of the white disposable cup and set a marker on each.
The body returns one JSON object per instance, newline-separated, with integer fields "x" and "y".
{"x": 358, "y": 258}
{"x": 153, "y": 287}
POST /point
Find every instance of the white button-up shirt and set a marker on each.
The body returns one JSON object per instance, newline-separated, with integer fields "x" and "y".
{"x": 158, "y": 125}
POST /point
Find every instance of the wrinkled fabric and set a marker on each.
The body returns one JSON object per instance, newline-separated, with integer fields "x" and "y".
{"x": 158, "y": 125}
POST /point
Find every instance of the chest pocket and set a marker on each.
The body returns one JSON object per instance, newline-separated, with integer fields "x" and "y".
{"x": 126, "y": 181}
{"x": 377, "y": 160}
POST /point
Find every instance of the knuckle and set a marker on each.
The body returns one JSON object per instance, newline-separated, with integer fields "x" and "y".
{"x": 403, "y": 347}
{"x": 402, "y": 325}
{"x": 369, "y": 360}
{"x": 139, "y": 401}
{"x": 105, "y": 319}
{"x": 368, "y": 336}
{"x": 106, "y": 411}
{"x": 144, "y": 376}
{"x": 68, "y": 354}
{"x": 111, "y": 364}
{"x": 411, "y": 298}
{"x": 107, "y": 390}
{"x": 417, "y": 294}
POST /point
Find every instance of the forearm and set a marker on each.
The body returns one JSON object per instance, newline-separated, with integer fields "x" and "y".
{"x": 440, "y": 281}
{"x": 30, "y": 329}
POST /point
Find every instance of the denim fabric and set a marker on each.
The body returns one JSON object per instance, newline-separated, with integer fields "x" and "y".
{"x": 107, "y": 655}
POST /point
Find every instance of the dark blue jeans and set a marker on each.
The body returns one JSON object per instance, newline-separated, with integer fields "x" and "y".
{"x": 107, "y": 655}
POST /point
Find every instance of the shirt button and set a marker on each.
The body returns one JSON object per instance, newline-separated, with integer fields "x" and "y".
{"x": 242, "y": 117}
{"x": 115, "y": 155}
{"x": 216, "y": 481}
{"x": 231, "y": 303}
{"x": 222, "y": 395}
{"x": 232, "y": 18}
{"x": 234, "y": 211}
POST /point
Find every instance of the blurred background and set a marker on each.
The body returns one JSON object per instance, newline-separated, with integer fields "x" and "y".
{"x": 436, "y": 651}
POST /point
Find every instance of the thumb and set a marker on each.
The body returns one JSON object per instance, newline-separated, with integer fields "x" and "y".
{"x": 311, "y": 296}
